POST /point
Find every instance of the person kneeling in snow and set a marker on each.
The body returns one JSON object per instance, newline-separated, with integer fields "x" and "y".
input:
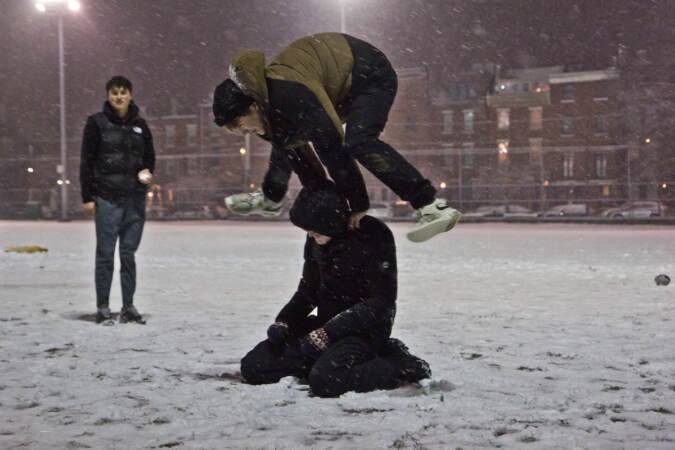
{"x": 350, "y": 277}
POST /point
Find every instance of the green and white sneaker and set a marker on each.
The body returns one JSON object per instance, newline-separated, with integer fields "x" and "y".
{"x": 435, "y": 218}
{"x": 253, "y": 203}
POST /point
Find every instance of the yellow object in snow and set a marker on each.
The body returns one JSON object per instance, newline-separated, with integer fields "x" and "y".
{"x": 26, "y": 249}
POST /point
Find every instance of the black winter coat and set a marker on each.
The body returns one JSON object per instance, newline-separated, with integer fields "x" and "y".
{"x": 114, "y": 150}
{"x": 352, "y": 281}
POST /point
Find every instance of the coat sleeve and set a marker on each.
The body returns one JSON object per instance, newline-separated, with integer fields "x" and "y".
{"x": 91, "y": 139}
{"x": 303, "y": 302}
{"x": 301, "y": 109}
{"x": 378, "y": 304}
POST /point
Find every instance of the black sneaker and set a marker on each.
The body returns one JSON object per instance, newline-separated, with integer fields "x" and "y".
{"x": 103, "y": 315}
{"x": 130, "y": 314}
{"x": 410, "y": 367}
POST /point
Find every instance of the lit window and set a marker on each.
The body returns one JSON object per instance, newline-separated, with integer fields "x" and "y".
{"x": 503, "y": 120}
{"x": 503, "y": 151}
{"x": 536, "y": 118}
{"x": 468, "y": 121}
{"x": 568, "y": 165}
{"x": 601, "y": 165}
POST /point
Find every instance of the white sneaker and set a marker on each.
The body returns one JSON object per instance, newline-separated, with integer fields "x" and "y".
{"x": 436, "y": 217}
{"x": 253, "y": 203}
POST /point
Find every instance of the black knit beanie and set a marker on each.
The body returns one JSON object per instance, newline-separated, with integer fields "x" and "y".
{"x": 229, "y": 102}
{"x": 322, "y": 210}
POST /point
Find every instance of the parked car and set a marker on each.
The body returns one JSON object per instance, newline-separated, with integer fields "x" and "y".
{"x": 502, "y": 211}
{"x": 380, "y": 210}
{"x": 568, "y": 210}
{"x": 634, "y": 210}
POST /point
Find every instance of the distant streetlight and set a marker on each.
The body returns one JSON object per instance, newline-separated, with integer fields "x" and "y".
{"x": 58, "y": 6}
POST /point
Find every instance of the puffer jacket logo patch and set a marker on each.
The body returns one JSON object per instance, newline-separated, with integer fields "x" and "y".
{"x": 138, "y": 130}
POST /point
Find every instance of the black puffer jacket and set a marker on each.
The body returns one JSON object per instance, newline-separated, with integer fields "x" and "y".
{"x": 114, "y": 150}
{"x": 352, "y": 281}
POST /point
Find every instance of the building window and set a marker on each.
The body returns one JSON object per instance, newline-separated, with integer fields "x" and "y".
{"x": 191, "y": 134}
{"x": 536, "y": 118}
{"x": 170, "y": 167}
{"x": 468, "y": 121}
{"x": 601, "y": 165}
{"x": 536, "y": 150}
{"x": 467, "y": 154}
{"x": 462, "y": 91}
{"x": 568, "y": 92}
{"x": 600, "y": 124}
{"x": 503, "y": 120}
{"x": 169, "y": 136}
{"x": 503, "y": 151}
{"x": 568, "y": 165}
{"x": 448, "y": 156}
{"x": 447, "y": 122}
{"x": 192, "y": 165}
{"x": 601, "y": 90}
{"x": 567, "y": 125}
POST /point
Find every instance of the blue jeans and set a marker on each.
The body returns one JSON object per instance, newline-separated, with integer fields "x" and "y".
{"x": 124, "y": 221}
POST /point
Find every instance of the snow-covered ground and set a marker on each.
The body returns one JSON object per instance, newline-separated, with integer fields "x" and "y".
{"x": 540, "y": 336}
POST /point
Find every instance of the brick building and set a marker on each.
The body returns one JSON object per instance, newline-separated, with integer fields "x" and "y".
{"x": 534, "y": 137}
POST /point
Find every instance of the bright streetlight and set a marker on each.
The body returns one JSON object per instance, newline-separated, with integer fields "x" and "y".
{"x": 58, "y": 6}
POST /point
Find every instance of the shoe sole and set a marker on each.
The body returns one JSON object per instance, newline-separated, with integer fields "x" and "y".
{"x": 431, "y": 229}
{"x": 230, "y": 207}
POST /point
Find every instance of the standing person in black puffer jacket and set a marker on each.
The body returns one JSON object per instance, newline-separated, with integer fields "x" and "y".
{"x": 117, "y": 162}
{"x": 350, "y": 277}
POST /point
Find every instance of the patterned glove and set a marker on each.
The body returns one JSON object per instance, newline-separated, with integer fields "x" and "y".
{"x": 277, "y": 332}
{"x": 314, "y": 343}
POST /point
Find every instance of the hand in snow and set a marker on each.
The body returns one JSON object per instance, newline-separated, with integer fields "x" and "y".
{"x": 277, "y": 332}
{"x": 314, "y": 343}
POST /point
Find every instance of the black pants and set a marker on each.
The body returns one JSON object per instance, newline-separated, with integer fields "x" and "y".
{"x": 366, "y": 112}
{"x": 351, "y": 364}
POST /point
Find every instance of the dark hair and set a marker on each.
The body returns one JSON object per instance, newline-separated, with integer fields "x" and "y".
{"x": 118, "y": 81}
{"x": 229, "y": 102}
{"x": 321, "y": 209}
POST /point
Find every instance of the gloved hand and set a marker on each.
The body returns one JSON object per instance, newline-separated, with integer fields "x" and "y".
{"x": 277, "y": 332}
{"x": 314, "y": 343}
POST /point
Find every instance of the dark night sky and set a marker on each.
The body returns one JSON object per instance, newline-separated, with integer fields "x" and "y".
{"x": 181, "y": 49}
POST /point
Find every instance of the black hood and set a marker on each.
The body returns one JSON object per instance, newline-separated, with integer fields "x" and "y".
{"x": 322, "y": 210}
